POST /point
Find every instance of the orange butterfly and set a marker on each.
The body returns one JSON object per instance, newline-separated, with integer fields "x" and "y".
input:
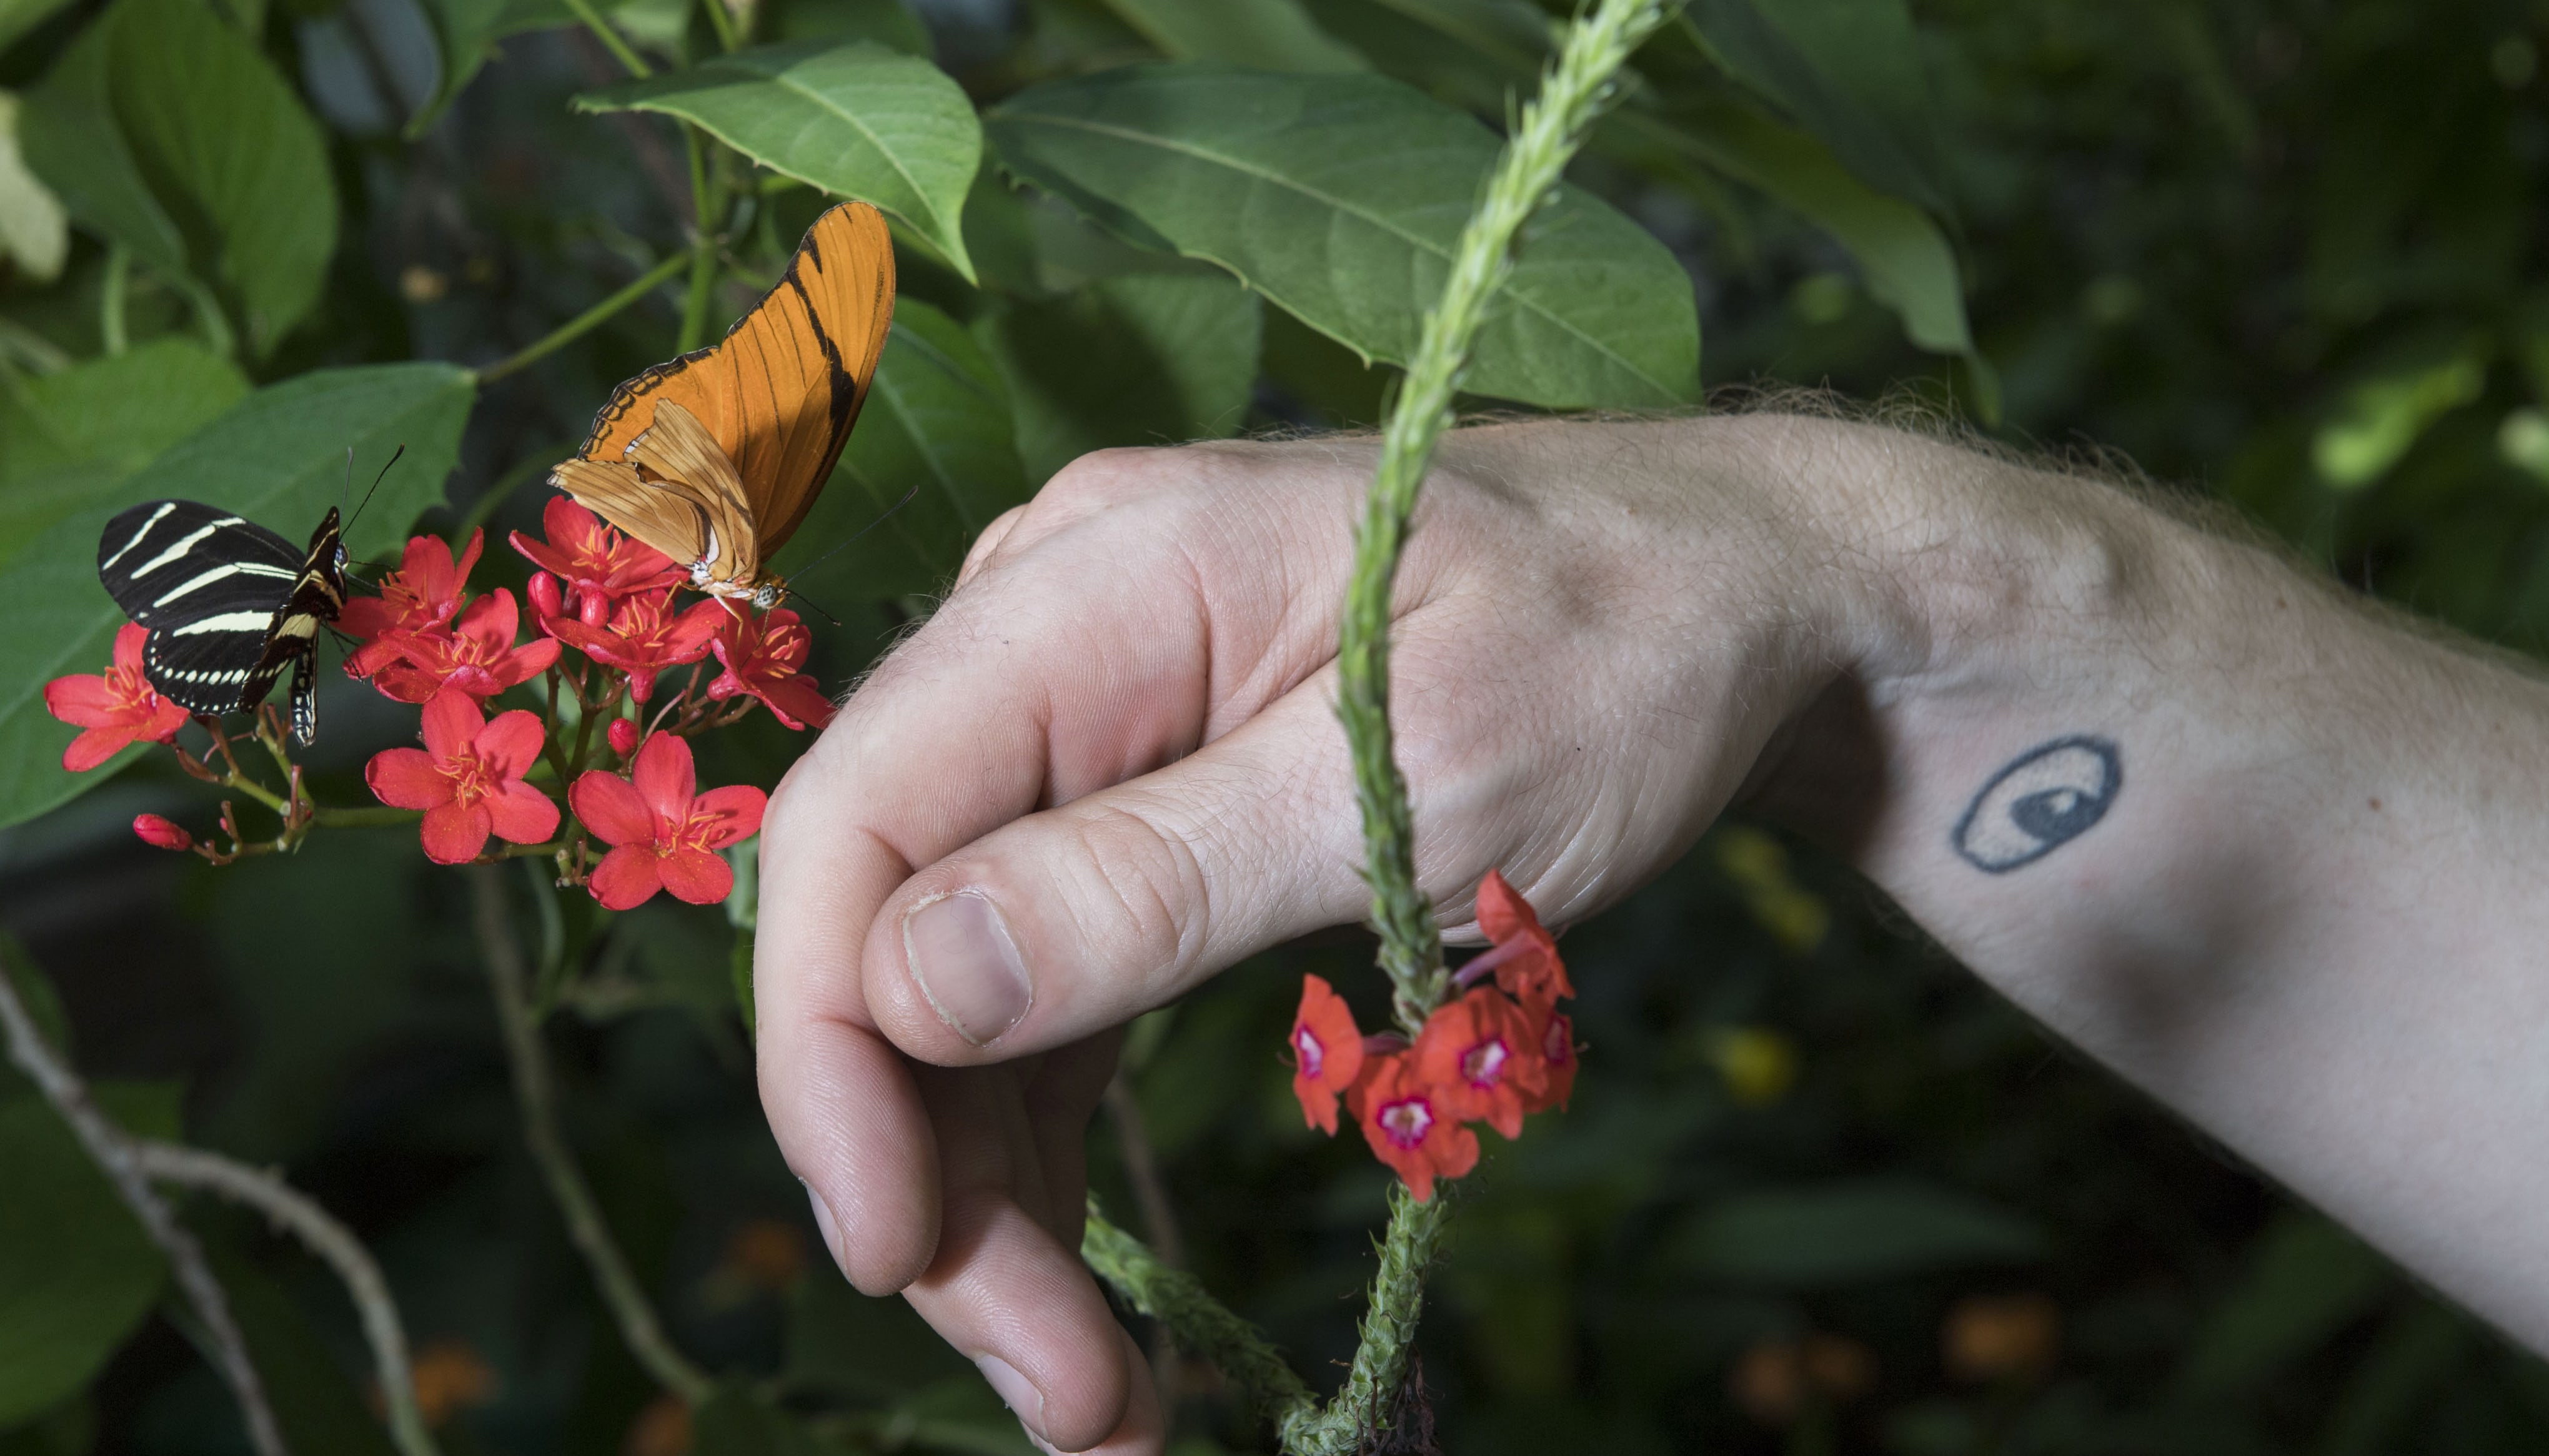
{"x": 715, "y": 457}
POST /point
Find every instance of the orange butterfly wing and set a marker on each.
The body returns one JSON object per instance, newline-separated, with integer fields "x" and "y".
{"x": 780, "y": 390}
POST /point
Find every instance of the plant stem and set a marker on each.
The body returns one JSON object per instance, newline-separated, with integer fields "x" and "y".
{"x": 111, "y": 295}
{"x": 729, "y": 38}
{"x": 1552, "y": 129}
{"x": 1387, "y": 1340}
{"x": 629, "y": 59}
{"x": 588, "y": 320}
{"x": 333, "y": 1242}
{"x": 1178, "y": 1300}
{"x": 509, "y": 976}
{"x": 113, "y": 1151}
{"x": 703, "y": 254}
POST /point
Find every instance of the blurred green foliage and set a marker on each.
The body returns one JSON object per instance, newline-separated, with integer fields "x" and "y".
{"x": 1817, "y": 1191}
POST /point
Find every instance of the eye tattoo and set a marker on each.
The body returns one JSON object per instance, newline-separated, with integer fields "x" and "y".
{"x": 2043, "y": 800}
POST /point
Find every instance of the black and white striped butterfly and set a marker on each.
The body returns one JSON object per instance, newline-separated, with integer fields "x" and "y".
{"x": 229, "y": 604}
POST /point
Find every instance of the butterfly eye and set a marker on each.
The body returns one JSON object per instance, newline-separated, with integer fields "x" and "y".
{"x": 342, "y": 557}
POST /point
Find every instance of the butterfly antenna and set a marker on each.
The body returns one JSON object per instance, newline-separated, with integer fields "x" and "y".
{"x": 852, "y": 541}
{"x": 802, "y": 600}
{"x": 376, "y": 482}
{"x": 346, "y": 492}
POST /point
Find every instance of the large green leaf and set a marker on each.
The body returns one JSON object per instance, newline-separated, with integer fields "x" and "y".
{"x": 1142, "y": 360}
{"x": 2307, "y": 1281}
{"x": 76, "y": 1271}
{"x": 936, "y": 429}
{"x": 1850, "y": 1233}
{"x": 69, "y": 134}
{"x": 856, "y": 120}
{"x": 278, "y": 458}
{"x": 164, "y": 129}
{"x": 1266, "y": 34}
{"x": 66, "y": 438}
{"x": 1340, "y": 198}
{"x": 1848, "y": 70}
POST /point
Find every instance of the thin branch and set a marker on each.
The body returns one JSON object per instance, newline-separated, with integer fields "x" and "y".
{"x": 507, "y": 974}
{"x": 334, "y": 1244}
{"x": 609, "y": 39}
{"x": 1180, "y": 1301}
{"x": 113, "y": 1151}
{"x": 588, "y": 320}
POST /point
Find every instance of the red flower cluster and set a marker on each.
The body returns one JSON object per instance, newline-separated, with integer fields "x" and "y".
{"x": 607, "y": 627}
{"x": 1494, "y": 1056}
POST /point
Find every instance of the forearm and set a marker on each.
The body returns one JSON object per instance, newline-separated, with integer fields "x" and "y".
{"x": 2295, "y": 897}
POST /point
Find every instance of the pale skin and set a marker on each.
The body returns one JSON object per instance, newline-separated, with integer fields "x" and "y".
{"x": 2276, "y": 870}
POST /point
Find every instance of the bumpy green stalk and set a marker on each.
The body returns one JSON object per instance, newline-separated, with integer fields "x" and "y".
{"x": 1552, "y": 128}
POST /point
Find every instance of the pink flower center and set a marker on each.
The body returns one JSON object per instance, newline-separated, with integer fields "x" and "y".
{"x": 1483, "y": 1066}
{"x": 1407, "y": 1121}
{"x": 472, "y": 777}
{"x": 1313, "y": 1056}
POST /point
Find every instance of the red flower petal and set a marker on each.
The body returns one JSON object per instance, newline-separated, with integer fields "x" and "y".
{"x": 451, "y": 723}
{"x": 93, "y": 747}
{"x": 455, "y": 832}
{"x": 129, "y": 639}
{"x": 728, "y": 815}
{"x": 521, "y": 814}
{"x": 697, "y": 876}
{"x": 664, "y": 778}
{"x": 625, "y": 878}
{"x": 613, "y": 810}
{"x": 87, "y": 700}
{"x": 405, "y": 778}
{"x": 510, "y": 742}
{"x": 162, "y": 832}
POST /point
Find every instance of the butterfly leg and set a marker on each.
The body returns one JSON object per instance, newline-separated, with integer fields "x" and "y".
{"x": 305, "y": 702}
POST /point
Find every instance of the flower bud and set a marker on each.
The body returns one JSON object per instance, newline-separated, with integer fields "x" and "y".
{"x": 622, "y": 734}
{"x": 546, "y": 601}
{"x": 166, "y": 834}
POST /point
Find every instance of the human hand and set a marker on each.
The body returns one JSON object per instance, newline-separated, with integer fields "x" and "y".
{"x": 1109, "y": 766}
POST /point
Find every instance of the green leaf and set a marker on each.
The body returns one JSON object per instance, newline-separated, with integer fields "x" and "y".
{"x": 1143, "y": 360}
{"x": 68, "y": 129}
{"x": 1264, "y": 35}
{"x": 1902, "y": 256}
{"x": 1848, "y": 70}
{"x": 2307, "y": 1281}
{"x": 278, "y": 458}
{"x": 936, "y": 428}
{"x": 227, "y": 149}
{"x": 1340, "y": 198}
{"x": 857, "y": 119}
{"x": 1850, "y": 1233}
{"x": 164, "y": 129}
{"x": 318, "y": 1406}
{"x": 66, "y": 438}
{"x": 466, "y": 32}
{"x": 76, "y": 1271}
{"x": 18, "y": 16}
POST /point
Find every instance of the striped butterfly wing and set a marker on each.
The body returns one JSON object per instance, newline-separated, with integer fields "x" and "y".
{"x": 780, "y": 392}
{"x": 229, "y": 604}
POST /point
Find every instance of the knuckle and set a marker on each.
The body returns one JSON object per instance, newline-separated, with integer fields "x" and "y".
{"x": 1149, "y": 881}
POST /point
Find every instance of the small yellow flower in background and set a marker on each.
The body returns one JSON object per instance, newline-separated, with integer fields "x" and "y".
{"x": 1758, "y": 866}
{"x": 663, "y": 1428}
{"x": 418, "y": 284}
{"x": 1776, "y": 1378}
{"x": 763, "y": 1256}
{"x": 1993, "y": 1337}
{"x": 1758, "y": 1064}
{"x": 450, "y": 1377}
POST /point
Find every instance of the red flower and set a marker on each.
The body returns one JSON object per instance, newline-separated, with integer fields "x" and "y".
{"x": 761, "y": 655}
{"x": 597, "y": 565}
{"x": 420, "y": 596}
{"x": 642, "y": 639}
{"x": 116, "y": 708}
{"x": 475, "y": 655}
{"x": 621, "y": 736}
{"x": 1484, "y": 1054}
{"x": 162, "y": 834}
{"x": 1327, "y": 1052}
{"x": 1558, "y": 1064}
{"x": 1525, "y": 958}
{"x": 1405, "y": 1120}
{"x": 467, "y": 778}
{"x": 665, "y": 833}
